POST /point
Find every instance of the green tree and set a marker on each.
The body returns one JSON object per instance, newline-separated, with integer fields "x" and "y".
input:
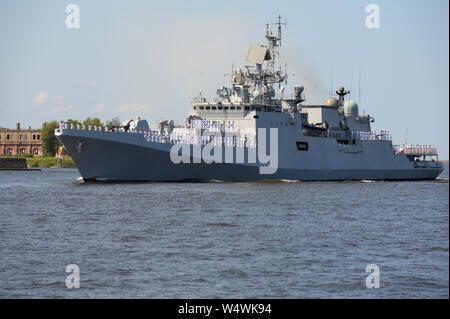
{"x": 74, "y": 122}
{"x": 94, "y": 122}
{"x": 49, "y": 141}
{"x": 114, "y": 122}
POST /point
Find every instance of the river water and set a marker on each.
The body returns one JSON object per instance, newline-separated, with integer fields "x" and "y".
{"x": 222, "y": 240}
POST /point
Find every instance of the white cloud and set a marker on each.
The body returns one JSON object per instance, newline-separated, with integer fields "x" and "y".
{"x": 43, "y": 98}
{"x": 62, "y": 108}
{"x": 40, "y": 98}
{"x": 98, "y": 108}
{"x": 132, "y": 108}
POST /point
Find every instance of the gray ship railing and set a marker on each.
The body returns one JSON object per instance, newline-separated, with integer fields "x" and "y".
{"x": 310, "y": 130}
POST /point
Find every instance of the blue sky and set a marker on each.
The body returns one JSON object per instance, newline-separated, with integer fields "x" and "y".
{"x": 148, "y": 58}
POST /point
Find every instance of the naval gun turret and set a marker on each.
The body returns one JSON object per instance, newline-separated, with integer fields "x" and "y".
{"x": 137, "y": 124}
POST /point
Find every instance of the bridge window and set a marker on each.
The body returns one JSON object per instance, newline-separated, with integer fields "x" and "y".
{"x": 302, "y": 146}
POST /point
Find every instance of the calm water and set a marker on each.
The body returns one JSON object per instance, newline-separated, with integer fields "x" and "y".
{"x": 222, "y": 240}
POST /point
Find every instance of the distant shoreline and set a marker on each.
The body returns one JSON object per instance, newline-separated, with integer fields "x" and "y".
{"x": 44, "y": 161}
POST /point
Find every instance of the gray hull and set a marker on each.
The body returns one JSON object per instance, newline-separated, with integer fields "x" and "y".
{"x": 129, "y": 157}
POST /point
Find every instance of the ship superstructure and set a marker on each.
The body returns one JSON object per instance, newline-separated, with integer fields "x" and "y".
{"x": 222, "y": 138}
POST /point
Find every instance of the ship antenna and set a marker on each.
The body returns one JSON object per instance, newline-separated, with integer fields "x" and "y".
{"x": 279, "y": 28}
{"x": 359, "y": 85}
{"x": 351, "y": 86}
{"x": 331, "y": 80}
{"x": 190, "y": 86}
{"x": 279, "y": 23}
{"x": 201, "y": 83}
{"x": 286, "y": 72}
{"x": 231, "y": 77}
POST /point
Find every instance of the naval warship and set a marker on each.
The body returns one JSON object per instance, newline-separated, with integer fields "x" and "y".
{"x": 252, "y": 131}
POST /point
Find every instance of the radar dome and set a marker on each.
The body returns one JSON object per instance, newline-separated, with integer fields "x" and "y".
{"x": 331, "y": 102}
{"x": 351, "y": 108}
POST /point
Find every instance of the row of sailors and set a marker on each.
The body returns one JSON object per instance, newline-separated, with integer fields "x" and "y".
{"x": 415, "y": 149}
{"x": 371, "y": 136}
{"x": 183, "y": 138}
{"x": 64, "y": 125}
{"x": 213, "y": 126}
{"x": 174, "y": 138}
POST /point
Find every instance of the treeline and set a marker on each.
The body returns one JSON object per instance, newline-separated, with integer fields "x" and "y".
{"x": 43, "y": 161}
{"x": 49, "y": 141}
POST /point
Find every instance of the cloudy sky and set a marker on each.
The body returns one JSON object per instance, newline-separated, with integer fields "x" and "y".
{"x": 149, "y": 58}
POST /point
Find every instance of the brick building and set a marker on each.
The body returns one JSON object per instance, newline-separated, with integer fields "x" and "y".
{"x": 20, "y": 141}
